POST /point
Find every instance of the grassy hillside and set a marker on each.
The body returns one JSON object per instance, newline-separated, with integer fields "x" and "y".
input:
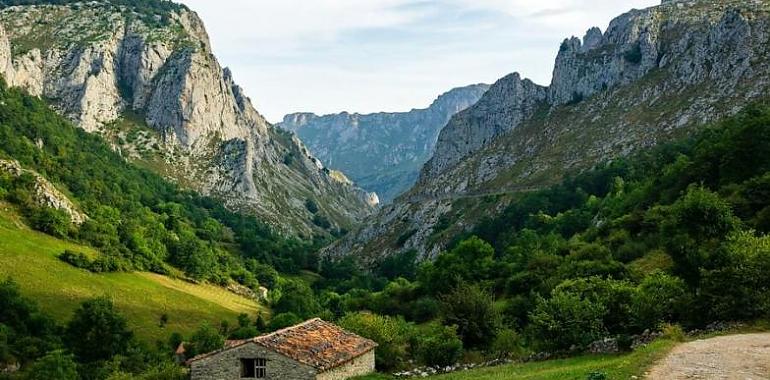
{"x": 29, "y": 257}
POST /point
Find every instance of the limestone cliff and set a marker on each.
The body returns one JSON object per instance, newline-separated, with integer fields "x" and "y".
{"x": 151, "y": 84}
{"x": 45, "y": 194}
{"x": 653, "y": 75}
{"x": 381, "y": 152}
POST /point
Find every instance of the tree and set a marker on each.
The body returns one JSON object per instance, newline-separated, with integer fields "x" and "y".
{"x": 697, "y": 224}
{"x": 390, "y": 333}
{"x": 260, "y": 324}
{"x": 283, "y": 320}
{"x": 660, "y": 298}
{"x": 205, "y": 339}
{"x": 471, "y": 261}
{"x": 472, "y": 310}
{"x": 51, "y": 221}
{"x": 438, "y": 345}
{"x": 565, "y": 320}
{"x": 298, "y": 298}
{"x": 738, "y": 288}
{"x": 97, "y": 331}
{"x": 55, "y": 365}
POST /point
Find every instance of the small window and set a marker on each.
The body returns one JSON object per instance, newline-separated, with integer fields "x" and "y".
{"x": 254, "y": 368}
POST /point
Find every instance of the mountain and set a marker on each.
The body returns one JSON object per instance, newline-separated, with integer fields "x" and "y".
{"x": 381, "y": 152}
{"x": 655, "y": 74}
{"x": 142, "y": 74}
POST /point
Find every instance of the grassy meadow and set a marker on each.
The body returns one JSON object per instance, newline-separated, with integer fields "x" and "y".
{"x": 29, "y": 258}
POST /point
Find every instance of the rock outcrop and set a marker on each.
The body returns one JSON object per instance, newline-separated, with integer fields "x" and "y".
{"x": 655, "y": 74}
{"x": 507, "y": 103}
{"x": 153, "y": 86}
{"x": 45, "y": 193}
{"x": 381, "y": 152}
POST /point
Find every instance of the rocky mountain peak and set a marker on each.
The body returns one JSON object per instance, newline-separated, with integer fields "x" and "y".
{"x": 115, "y": 71}
{"x": 502, "y": 108}
{"x": 654, "y": 74}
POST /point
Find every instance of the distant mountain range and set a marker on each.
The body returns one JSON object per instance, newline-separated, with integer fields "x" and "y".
{"x": 381, "y": 152}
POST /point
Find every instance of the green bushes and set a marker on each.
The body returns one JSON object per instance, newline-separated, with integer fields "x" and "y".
{"x": 95, "y": 344}
{"x": 660, "y": 298}
{"x": 438, "y": 345}
{"x": 565, "y": 320}
{"x": 54, "y": 365}
{"x": 391, "y": 334}
{"x": 298, "y": 298}
{"x": 51, "y": 221}
{"x": 97, "y": 331}
{"x": 507, "y": 344}
{"x": 283, "y": 320}
{"x": 472, "y": 310}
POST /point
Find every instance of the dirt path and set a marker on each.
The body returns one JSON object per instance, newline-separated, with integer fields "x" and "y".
{"x": 735, "y": 357}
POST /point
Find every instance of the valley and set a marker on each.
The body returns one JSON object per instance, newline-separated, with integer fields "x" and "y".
{"x": 155, "y": 226}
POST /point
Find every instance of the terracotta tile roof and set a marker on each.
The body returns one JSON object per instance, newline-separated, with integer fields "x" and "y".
{"x": 317, "y": 343}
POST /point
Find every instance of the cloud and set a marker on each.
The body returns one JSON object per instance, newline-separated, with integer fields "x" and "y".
{"x": 384, "y": 55}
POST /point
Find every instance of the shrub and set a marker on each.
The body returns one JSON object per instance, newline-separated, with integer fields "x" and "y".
{"x": 597, "y": 375}
{"x": 472, "y": 310}
{"x": 390, "y": 333}
{"x": 566, "y": 320}
{"x": 55, "y": 365}
{"x": 659, "y": 298}
{"x": 614, "y": 296}
{"x": 634, "y": 55}
{"x": 322, "y": 221}
{"x": 673, "y": 332}
{"x": 51, "y": 221}
{"x": 425, "y": 309}
{"x": 282, "y": 320}
{"x": 205, "y": 339}
{"x": 76, "y": 259}
{"x": 507, "y": 344}
{"x": 438, "y": 346}
{"x": 98, "y": 331}
{"x": 298, "y": 298}
{"x": 311, "y": 206}
{"x": 739, "y": 288}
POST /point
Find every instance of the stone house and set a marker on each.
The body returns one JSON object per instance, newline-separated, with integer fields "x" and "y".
{"x": 312, "y": 350}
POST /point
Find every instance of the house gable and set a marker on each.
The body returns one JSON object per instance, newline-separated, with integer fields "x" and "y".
{"x": 226, "y": 364}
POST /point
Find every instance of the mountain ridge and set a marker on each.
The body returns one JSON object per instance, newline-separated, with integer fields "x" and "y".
{"x": 655, "y": 74}
{"x": 383, "y": 151}
{"x": 104, "y": 66}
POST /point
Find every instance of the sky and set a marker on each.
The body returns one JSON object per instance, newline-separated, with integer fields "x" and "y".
{"x": 329, "y": 56}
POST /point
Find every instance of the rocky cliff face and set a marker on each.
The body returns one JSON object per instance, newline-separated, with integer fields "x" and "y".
{"x": 155, "y": 89}
{"x": 507, "y": 103}
{"x": 654, "y": 74}
{"x": 381, "y": 152}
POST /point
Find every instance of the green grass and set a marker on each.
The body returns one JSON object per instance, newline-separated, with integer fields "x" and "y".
{"x": 577, "y": 368}
{"x": 29, "y": 258}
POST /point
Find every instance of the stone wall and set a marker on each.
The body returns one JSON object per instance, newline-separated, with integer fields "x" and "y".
{"x": 361, "y": 365}
{"x": 227, "y": 365}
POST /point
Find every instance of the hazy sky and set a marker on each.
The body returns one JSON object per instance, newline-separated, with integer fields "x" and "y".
{"x": 328, "y": 56}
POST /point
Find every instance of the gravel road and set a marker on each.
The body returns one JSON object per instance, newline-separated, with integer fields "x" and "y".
{"x": 735, "y": 357}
